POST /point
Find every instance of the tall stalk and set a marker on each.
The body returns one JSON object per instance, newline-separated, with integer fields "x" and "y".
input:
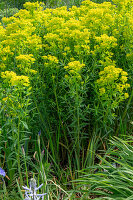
{"x": 18, "y": 153}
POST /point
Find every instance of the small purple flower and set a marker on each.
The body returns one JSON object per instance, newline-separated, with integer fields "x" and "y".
{"x": 39, "y": 133}
{"x": 2, "y": 172}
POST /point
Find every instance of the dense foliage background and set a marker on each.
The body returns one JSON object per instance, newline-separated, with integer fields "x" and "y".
{"x": 65, "y": 89}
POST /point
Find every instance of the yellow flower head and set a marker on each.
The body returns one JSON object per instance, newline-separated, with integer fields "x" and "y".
{"x": 126, "y": 95}
{"x": 51, "y": 59}
{"x": 15, "y": 80}
{"x": 102, "y": 91}
{"x": 112, "y": 85}
{"x": 25, "y": 59}
{"x": 76, "y": 66}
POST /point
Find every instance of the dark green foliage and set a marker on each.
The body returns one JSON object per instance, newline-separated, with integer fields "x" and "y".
{"x": 112, "y": 178}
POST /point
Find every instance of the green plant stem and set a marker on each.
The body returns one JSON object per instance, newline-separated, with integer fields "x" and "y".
{"x": 18, "y": 154}
{"x": 78, "y": 124}
{"x": 58, "y": 109}
{"x": 44, "y": 178}
{"x": 44, "y": 127}
{"x": 125, "y": 112}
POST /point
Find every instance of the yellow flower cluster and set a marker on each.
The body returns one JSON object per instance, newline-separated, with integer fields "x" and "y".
{"x": 105, "y": 42}
{"x": 26, "y": 59}
{"x": 2, "y": 33}
{"x": 25, "y": 62}
{"x": 33, "y": 6}
{"x": 109, "y": 75}
{"x": 74, "y": 68}
{"x": 15, "y": 80}
{"x": 112, "y": 85}
{"x": 51, "y": 59}
{"x": 99, "y": 35}
{"x": 5, "y": 99}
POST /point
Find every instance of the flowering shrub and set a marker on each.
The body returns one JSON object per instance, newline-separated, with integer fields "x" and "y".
{"x": 60, "y": 68}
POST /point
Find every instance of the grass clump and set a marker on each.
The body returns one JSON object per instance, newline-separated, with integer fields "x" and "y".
{"x": 112, "y": 177}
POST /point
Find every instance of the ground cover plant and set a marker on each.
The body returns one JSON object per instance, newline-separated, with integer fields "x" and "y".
{"x": 65, "y": 88}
